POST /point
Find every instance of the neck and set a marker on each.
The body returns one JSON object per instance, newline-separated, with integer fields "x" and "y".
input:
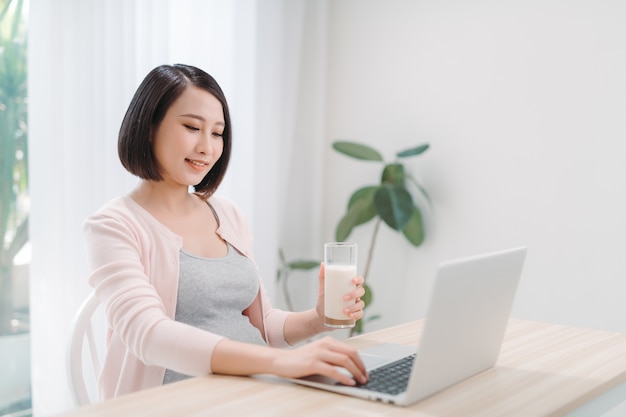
{"x": 158, "y": 196}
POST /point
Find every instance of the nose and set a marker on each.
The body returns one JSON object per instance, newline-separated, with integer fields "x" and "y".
{"x": 205, "y": 145}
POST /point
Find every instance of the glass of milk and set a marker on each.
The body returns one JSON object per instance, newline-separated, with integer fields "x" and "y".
{"x": 339, "y": 269}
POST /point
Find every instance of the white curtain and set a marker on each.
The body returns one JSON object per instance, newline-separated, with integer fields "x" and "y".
{"x": 86, "y": 57}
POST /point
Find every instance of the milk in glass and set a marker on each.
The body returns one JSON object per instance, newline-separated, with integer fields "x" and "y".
{"x": 340, "y": 269}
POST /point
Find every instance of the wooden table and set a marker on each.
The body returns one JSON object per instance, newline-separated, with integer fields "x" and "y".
{"x": 543, "y": 370}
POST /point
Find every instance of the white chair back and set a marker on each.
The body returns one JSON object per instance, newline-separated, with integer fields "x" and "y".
{"x": 84, "y": 358}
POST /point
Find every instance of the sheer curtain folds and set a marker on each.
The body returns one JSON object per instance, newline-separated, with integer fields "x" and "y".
{"x": 86, "y": 58}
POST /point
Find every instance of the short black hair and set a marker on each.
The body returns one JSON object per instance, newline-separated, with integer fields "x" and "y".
{"x": 154, "y": 96}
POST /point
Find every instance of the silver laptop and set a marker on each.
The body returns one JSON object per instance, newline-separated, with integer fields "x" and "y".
{"x": 465, "y": 324}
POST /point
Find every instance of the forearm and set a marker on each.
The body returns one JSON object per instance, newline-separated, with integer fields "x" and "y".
{"x": 303, "y": 325}
{"x": 323, "y": 357}
{"x": 235, "y": 358}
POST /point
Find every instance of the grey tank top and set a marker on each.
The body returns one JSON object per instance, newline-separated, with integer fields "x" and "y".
{"x": 213, "y": 293}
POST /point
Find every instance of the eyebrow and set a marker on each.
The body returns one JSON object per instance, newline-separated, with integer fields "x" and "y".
{"x": 198, "y": 117}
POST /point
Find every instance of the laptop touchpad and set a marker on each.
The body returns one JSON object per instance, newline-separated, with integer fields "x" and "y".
{"x": 381, "y": 354}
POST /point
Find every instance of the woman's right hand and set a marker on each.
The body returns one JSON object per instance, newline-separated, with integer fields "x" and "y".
{"x": 321, "y": 357}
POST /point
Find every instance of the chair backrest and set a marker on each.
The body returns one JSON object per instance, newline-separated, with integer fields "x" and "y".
{"x": 83, "y": 361}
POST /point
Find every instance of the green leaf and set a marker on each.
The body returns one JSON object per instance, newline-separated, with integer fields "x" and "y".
{"x": 393, "y": 174}
{"x": 304, "y": 264}
{"x": 414, "y": 229}
{"x": 395, "y": 205}
{"x": 357, "y": 150}
{"x": 360, "y": 210}
{"x": 421, "y": 189}
{"x": 368, "y": 296}
{"x": 362, "y": 204}
{"x": 372, "y": 318}
{"x": 413, "y": 151}
{"x": 358, "y": 328}
{"x": 367, "y": 299}
{"x": 344, "y": 228}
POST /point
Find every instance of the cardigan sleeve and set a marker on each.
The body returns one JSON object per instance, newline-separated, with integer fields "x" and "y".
{"x": 123, "y": 270}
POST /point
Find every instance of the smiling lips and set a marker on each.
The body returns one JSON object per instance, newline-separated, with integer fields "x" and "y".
{"x": 196, "y": 164}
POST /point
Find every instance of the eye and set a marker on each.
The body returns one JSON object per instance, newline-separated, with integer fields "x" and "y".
{"x": 218, "y": 134}
{"x": 191, "y": 128}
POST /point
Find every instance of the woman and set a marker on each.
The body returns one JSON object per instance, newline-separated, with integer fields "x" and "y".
{"x": 174, "y": 269}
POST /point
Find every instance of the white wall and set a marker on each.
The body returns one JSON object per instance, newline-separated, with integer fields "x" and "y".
{"x": 523, "y": 103}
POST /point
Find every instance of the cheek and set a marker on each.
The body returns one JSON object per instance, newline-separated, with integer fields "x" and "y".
{"x": 220, "y": 146}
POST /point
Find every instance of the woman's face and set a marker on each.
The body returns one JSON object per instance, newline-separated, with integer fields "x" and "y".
{"x": 189, "y": 141}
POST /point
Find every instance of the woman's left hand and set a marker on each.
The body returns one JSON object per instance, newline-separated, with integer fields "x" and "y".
{"x": 354, "y": 310}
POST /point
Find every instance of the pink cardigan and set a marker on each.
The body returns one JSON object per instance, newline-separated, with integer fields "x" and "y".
{"x": 134, "y": 261}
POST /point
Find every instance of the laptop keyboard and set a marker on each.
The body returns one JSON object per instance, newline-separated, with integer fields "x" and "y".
{"x": 392, "y": 378}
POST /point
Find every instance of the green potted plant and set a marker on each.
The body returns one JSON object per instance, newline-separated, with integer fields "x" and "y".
{"x": 13, "y": 152}
{"x": 14, "y": 315}
{"x": 390, "y": 201}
